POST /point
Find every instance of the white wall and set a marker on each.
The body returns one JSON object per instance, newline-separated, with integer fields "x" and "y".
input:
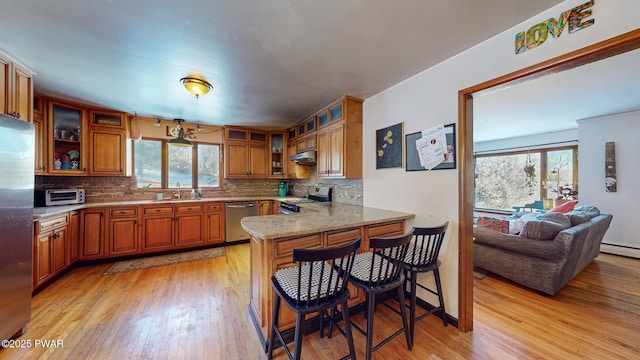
{"x": 548, "y": 140}
{"x": 624, "y": 204}
{"x": 431, "y": 97}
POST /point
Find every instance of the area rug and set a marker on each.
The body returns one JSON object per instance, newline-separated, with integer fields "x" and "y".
{"x": 162, "y": 260}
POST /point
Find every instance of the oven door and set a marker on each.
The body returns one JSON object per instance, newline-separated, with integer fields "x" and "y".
{"x": 286, "y": 208}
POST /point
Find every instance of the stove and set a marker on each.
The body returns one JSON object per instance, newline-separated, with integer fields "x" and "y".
{"x": 314, "y": 194}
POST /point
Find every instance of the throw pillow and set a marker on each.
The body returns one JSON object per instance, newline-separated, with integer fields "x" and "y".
{"x": 519, "y": 222}
{"x": 547, "y": 228}
{"x": 566, "y": 207}
{"x": 582, "y": 214}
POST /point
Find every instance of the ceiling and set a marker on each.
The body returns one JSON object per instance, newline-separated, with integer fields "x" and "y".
{"x": 270, "y": 62}
{"x": 554, "y": 102}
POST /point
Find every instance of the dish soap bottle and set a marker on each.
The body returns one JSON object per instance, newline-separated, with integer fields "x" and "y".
{"x": 193, "y": 193}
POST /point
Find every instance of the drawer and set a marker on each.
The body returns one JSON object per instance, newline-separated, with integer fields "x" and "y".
{"x": 189, "y": 208}
{"x": 158, "y": 210}
{"x": 123, "y": 212}
{"x": 214, "y": 207}
{"x": 383, "y": 230}
{"x": 342, "y": 236}
{"x": 284, "y": 247}
{"x": 51, "y": 223}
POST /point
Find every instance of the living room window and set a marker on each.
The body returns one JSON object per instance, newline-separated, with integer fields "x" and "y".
{"x": 502, "y": 182}
{"x": 161, "y": 166}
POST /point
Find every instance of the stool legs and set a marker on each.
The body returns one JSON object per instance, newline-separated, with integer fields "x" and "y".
{"x": 347, "y": 329}
{"x": 274, "y": 322}
{"x": 436, "y": 273}
{"x": 403, "y": 313}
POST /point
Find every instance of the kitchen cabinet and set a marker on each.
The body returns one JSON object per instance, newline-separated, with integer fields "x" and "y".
{"x": 157, "y": 227}
{"x": 50, "y": 247}
{"x": 278, "y": 155}
{"x": 92, "y": 233}
{"x": 16, "y": 89}
{"x": 339, "y": 144}
{"x": 123, "y": 231}
{"x": 275, "y": 207}
{"x": 40, "y": 144}
{"x": 307, "y": 126}
{"x": 73, "y": 237}
{"x": 189, "y": 224}
{"x": 306, "y": 143}
{"x": 215, "y": 223}
{"x": 65, "y": 136}
{"x": 246, "y": 153}
{"x": 264, "y": 207}
{"x": 108, "y": 139}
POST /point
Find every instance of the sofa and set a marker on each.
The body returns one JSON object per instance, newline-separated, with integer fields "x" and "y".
{"x": 549, "y": 251}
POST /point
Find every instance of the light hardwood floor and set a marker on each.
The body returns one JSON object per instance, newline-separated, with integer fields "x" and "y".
{"x": 199, "y": 310}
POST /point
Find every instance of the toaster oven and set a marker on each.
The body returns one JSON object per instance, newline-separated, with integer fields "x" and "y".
{"x": 59, "y": 197}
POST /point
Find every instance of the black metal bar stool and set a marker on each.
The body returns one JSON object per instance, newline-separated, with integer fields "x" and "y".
{"x": 378, "y": 271}
{"x": 317, "y": 283}
{"x": 422, "y": 257}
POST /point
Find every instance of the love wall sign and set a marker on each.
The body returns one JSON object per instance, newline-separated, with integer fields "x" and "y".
{"x": 538, "y": 34}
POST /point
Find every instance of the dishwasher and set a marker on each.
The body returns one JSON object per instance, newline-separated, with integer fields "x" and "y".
{"x": 234, "y": 212}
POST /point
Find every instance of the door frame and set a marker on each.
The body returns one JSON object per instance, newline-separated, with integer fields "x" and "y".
{"x": 598, "y": 51}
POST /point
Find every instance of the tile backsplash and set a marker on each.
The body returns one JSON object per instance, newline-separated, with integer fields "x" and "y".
{"x": 119, "y": 188}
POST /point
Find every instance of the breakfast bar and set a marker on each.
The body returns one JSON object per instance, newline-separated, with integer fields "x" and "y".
{"x": 318, "y": 225}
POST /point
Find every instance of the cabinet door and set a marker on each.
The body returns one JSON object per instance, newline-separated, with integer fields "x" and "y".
{"x": 39, "y": 163}
{"x": 336, "y": 152}
{"x": 107, "y": 152}
{"x": 44, "y": 264}
{"x": 237, "y": 160}
{"x": 123, "y": 238}
{"x": 259, "y": 158}
{"x": 189, "y": 229}
{"x": 158, "y": 233}
{"x": 264, "y": 207}
{"x": 73, "y": 237}
{"x": 65, "y": 140}
{"x": 215, "y": 228}
{"x": 323, "y": 154}
{"x": 93, "y": 233}
{"x": 291, "y": 166}
{"x": 5, "y": 86}
{"x": 59, "y": 249}
{"x": 23, "y": 93}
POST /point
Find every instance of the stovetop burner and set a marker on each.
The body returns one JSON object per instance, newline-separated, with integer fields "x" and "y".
{"x": 314, "y": 193}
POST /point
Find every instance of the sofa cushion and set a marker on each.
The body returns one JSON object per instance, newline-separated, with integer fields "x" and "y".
{"x": 565, "y": 208}
{"x": 549, "y": 225}
{"x": 582, "y": 214}
{"x": 519, "y": 222}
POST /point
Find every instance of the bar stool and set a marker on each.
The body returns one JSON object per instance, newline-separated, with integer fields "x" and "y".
{"x": 378, "y": 271}
{"x": 422, "y": 257}
{"x": 317, "y": 283}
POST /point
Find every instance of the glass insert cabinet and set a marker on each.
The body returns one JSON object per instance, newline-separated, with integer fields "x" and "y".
{"x": 67, "y": 153}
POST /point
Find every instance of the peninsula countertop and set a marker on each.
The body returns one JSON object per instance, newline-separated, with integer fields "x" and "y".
{"x": 318, "y": 217}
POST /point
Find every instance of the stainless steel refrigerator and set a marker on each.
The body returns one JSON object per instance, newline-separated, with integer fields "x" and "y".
{"x": 17, "y": 147}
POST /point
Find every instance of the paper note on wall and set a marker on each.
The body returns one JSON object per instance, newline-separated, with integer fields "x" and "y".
{"x": 432, "y": 147}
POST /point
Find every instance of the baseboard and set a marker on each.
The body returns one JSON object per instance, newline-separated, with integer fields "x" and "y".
{"x": 620, "y": 250}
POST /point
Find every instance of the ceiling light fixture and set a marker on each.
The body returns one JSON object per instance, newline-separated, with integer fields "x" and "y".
{"x": 179, "y": 140}
{"x": 196, "y": 85}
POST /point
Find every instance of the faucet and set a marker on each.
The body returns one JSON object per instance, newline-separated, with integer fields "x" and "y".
{"x": 178, "y": 187}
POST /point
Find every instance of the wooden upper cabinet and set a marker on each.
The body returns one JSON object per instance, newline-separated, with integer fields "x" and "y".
{"x": 246, "y": 153}
{"x": 16, "y": 89}
{"x": 66, "y": 131}
{"x": 107, "y": 152}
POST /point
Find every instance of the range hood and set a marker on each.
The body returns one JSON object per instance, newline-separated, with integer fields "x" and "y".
{"x": 305, "y": 158}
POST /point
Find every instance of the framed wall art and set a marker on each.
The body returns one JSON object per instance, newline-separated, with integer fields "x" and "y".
{"x": 389, "y": 147}
{"x": 413, "y": 159}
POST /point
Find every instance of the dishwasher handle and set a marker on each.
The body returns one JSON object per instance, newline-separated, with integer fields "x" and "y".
{"x": 240, "y": 206}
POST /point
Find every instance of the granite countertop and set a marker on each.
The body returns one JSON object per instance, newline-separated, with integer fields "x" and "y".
{"x": 318, "y": 217}
{"x": 47, "y": 211}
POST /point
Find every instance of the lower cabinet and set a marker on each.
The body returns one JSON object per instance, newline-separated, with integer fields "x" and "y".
{"x": 157, "y": 228}
{"x": 92, "y": 233}
{"x": 215, "y": 223}
{"x": 264, "y": 207}
{"x": 189, "y": 225}
{"x": 73, "y": 237}
{"x": 50, "y": 245}
{"x": 123, "y": 231}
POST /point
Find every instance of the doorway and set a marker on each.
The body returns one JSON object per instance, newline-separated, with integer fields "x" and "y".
{"x": 601, "y": 50}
